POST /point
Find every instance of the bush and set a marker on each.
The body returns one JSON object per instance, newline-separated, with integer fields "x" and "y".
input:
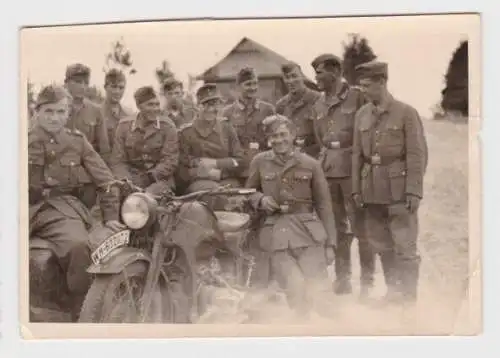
{"x": 455, "y": 95}
{"x": 356, "y": 51}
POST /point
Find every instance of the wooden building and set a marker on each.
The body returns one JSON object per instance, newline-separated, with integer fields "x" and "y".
{"x": 247, "y": 52}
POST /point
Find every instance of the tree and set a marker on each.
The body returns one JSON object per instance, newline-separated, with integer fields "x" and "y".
{"x": 356, "y": 51}
{"x": 119, "y": 57}
{"x": 455, "y": 95}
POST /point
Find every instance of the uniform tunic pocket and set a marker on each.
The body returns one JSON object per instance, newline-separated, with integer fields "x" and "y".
{"x": 397, "y": 179}
{"x": 71, "y": 168}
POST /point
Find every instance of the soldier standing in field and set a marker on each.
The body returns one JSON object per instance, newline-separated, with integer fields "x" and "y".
{"x": 334, "y": 126}
{"x": 60, "y": 161}
{"x": 112, "y": 110}
{"x": 210, "y": 152}
{"x": 146, "y": 147}
{"x": 297, "y": 106}
{"x": 389, "y": 161}
{"x": 176, "y": 108}
{"x": 246, "y": 115}
{"x": 298, "y": 237}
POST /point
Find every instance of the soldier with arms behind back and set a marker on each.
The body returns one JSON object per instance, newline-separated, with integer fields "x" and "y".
{"x": 298, "y": 237}
{"x": 389, "y": 161}
{"x": 334, "y": 127}
{"x": 246, "y": 115}
{"x": 146, "y": 147}
{"x": 61, "y": 160}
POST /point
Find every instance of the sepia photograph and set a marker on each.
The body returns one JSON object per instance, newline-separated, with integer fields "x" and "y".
{"x": 251, "y": 177}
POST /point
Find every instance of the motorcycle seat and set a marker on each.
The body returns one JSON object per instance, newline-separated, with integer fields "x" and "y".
{"x": 230, "y": 222}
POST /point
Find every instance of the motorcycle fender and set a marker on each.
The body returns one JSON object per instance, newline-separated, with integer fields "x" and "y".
{"x": 117, "y": 262}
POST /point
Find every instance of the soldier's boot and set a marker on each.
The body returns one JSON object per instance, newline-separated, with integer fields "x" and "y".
{"x": 392, "y": 278}
{"x": 367, "y": 261}
{"x": 342, "y": 284}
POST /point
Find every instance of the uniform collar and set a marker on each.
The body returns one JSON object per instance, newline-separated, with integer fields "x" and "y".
{"x": 384, "y": 105}
{"x": 255, "y": 104}
{"x": 141, "y": 122}
{"x": 205, "y": 130}
{"x": 41, "y": 134}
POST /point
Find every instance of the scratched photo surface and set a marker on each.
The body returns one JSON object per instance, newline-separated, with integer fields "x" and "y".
{"x": 257, "y": 177}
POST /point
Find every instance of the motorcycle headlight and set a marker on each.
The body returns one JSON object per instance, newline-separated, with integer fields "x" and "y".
{"x": 138, "y": 210}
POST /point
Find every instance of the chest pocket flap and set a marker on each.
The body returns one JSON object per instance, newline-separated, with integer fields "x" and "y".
{"x": 302, "y": 176}
{"x": 70, "y": 160}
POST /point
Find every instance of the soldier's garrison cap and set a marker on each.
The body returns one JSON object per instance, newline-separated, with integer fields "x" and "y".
{"x": 372, "y": 69}
{"x": 77, "y": 70}
{"x": 207, "y": 92}
{"x": 144, "y": 94}
{"x": 114, "y": 76}
{"x": 171, "y": 83}
{"x": 246, "y": 74}
{"x": 51, "y": 94}
{"x": 326, "y": 59}
{"x": 289, "y": 67}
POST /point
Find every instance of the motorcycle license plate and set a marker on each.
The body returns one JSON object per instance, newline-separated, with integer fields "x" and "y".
{"x": 113, "y": 242}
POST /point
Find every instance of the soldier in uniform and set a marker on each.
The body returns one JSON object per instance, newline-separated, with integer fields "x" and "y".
{"x": 246, "y": 115}
{"x": 86, "y": 117}
{"x": 298, "y": 236}
{"x": 112, "y": 110}
{"x": 146, "y": 147}
{"x": 176, "y": 108}
{"x": 389, "y": 161}
{"x": 210, "y": 152}
{"x": 334, "y": 126}
{"x": 297, "y": 106}
{"x": 60, "y": 161}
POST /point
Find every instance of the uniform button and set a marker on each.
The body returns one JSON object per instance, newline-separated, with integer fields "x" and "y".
{"x": 53, "y": 153}
{"x": 51, "y": 140}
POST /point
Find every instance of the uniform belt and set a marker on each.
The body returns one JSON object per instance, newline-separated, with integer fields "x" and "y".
{"x": 296, "y": 208}
{"x": 382, "y": 160}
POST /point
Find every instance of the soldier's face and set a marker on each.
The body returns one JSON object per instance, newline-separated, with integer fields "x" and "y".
{"x": 249, "y": 88}
{"x": 115, "y": 91}
{"x": 53, "y": 116}
{"x": 373, "y": 89}
{"x": 210, "y": 109}
{"x": 77, "y": 86}
{"x": 174, "y": 97}
{"x": 294, "y": 80}
{"x": 281, "y": 140}
{"x": 326, "y": 78}
{"x": 151, "y": 107}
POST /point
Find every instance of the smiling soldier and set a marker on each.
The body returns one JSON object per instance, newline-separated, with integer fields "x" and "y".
{"x": 297, "y": 106}
{"x": 246, "y": 115}
{"x": 60, "y": 161}
{"x": 298, "y": 236}
{"x": 146, "y": 147}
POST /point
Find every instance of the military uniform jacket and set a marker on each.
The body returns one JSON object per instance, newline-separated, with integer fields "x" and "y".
{"x": 219, "y": 142}
{"x": 247, "y": 121}
{"x": 299, "y": 186}
{"x": 185, "y": 115}
{"x": 300, "y": 111}
{"x": 112, "y": 114}
{"x": 142, "y": 146}
{"x": 334, "y": 130}
{"x": 389, "y": 153}
{"x": 89, "y": 120}
{"x": 61, "y": 164}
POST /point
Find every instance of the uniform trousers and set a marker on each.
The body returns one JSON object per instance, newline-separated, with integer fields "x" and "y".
{"x": 392, "y": 233}
{"x": 349, "y": 221}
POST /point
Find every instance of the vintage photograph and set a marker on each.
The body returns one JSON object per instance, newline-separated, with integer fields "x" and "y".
{"x": 250, "y": 174}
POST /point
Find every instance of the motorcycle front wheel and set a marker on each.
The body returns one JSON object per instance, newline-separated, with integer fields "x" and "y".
{"x": 115, "y": 298}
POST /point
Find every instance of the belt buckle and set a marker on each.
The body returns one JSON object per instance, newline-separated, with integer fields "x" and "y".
{"x": 376, "y": 160}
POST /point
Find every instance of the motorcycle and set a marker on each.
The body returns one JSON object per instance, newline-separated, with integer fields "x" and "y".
{"x": 150, "y": 272}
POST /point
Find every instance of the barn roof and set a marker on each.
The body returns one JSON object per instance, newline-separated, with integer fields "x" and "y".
{"x": 247, "y": 52}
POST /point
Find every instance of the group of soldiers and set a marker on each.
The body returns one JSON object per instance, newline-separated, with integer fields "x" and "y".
{"x": 329, "y": 166}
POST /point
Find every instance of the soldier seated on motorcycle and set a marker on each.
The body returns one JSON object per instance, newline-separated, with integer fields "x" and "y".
{"x": 210, "y": 152}
{"x": 298, "y": 235}
{"x": 60, "y": 161}
{"x": 145, "y": 149}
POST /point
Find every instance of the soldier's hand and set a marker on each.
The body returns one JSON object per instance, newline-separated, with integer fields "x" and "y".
{"x": 208, "y": 163}
{"x": 115, "y": 225}
{"x": 269, "y": 204}
{"x": 412, "y": 203}
{"x": 330, "y": 255}
{"x": 358, "y": 201}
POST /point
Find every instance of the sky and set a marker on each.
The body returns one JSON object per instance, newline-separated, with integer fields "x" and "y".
{"x": 417, "y": 48}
